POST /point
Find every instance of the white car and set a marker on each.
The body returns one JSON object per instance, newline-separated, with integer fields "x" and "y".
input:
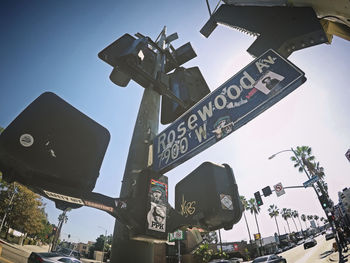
{"x": 62, "y": 259}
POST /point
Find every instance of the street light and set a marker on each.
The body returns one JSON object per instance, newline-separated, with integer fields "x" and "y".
{"x": 296, "y": 156}
{"x": 323, "y": 193}
{"x": 104, "y": 242}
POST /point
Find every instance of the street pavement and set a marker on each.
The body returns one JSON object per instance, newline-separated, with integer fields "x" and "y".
{"x": 322, "y": 252}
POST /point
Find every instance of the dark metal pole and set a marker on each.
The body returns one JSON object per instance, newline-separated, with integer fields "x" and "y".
{"x": 125, "y": 249}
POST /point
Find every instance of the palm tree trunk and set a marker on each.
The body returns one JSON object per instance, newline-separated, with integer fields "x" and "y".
{"x": 246, "y": 222}
{"x": 301, "y": 227}
{"x": 256, "y": 220}
{"x": 278, "y": 230}
{"x": 295, "y": 224}
{"x": 288, "y": 226}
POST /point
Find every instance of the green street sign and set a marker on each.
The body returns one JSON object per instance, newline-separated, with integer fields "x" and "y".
{"x": 177, "y": 235}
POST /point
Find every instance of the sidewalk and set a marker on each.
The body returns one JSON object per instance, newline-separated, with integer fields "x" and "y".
{"x": 334, "y": 257}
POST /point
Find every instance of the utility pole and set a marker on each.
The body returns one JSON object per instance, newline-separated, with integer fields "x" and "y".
{"x": 125, "y": 249}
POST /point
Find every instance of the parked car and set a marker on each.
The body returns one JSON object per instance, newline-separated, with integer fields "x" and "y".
{"x": 50, "y": 258}
{"x": 310, "y": 242}
{"x": 270, "y": 259}
{"x": 329, "y": 234}
{"x": 69, "y": 252}
{"x": 302, "y": 241}
{"x": 220, "y": 261}
{"x": 236, "y": 260}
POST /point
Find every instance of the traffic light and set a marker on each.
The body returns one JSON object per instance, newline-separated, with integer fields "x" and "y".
{"x": 258, "y": 199}
{"x": 54, "y": 147}
{"x": 54, "y": 230}
{"x": 324, "y": 201}
{"x": 209, "y": 197}
{"x": 136, "y": 59}
{"x": 189, "y": 86}
{"x": 267, "y": 191}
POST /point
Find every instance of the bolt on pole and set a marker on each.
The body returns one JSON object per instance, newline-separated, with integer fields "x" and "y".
{"x": 125, "y": 249}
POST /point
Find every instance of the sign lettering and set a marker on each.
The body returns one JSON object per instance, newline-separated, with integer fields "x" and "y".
{"x": 254, "y": 89}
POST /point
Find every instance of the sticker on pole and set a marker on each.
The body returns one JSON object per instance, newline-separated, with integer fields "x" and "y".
{"x": 255, "y": 88}
{"x": 279, "y": 189}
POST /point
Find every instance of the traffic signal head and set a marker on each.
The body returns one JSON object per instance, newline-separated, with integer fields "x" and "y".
{"x": 324, "y": 201}
{"x": 52, "y": 146}
{"x": 267, "y": 191}
{"x": 209, "y": 195}
{"x": 131, "y": 58}
{"x": 189, "y": 86}
{"x": 258, "y": 199}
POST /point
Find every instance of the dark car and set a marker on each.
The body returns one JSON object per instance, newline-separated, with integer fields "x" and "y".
{"x": 310, "y": 242}
{"x": 329, "y": 235}
{"x": 270, "y": 259}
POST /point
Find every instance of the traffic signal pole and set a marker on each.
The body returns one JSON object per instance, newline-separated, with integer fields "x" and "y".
{"x": 125, "y": 249}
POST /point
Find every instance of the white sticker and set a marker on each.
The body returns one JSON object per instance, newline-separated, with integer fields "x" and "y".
{"x": 26, "y": 140}
{"x": 226, "y": 202}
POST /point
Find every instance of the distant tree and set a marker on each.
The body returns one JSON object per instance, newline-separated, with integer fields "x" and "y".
{"x": 45, "y": 234}
{"x": 245, "y": 207}
{"x": 1, "y": 129}
{"x": 307, "y": 160}
{"x": 292, "y": 217}
{"x": 316, "y": 217}
{"x": 295, "y": 214}
{"x": 285, "y": 213}
{"x": 273, "y": 213}
{"x": 303, "y": 217}
{"x": 254, "y": 209}
{"x": 309, "y": 217}
{"x": 203, "y": 253}
{"x": 26, "y": 212}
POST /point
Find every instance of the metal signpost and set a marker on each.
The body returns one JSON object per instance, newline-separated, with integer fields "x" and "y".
{"x": 251, "y": 91}
{"x": 311, "y": 181}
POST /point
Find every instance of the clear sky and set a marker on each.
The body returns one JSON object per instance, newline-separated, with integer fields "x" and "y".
{"x": 53, "y": 46}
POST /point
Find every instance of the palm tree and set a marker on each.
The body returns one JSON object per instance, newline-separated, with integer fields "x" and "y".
{"x": 295, "y": 214}
{"x": 304, "y": 153}
{"x": 292, "y": 217}
{"x": 286, "y": 214}
{"x": 309, "y": 217}
{"x": 323, "y": 219}
{"x": 245, "y": 206}
{"x": 316, "y": 217}
{"x": 274, "y": 212}
{"x": 303, "y": 217}
{"x": 254, "y": 209}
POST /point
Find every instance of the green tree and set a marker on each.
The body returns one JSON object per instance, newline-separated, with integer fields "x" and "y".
{"x": 203, "y": 253}
{"x": 245, "y": 206}
{"x": 309, "y": 217}
{"x": 273, "y": 213}
{"x": 26, "y": 212}
{"x": 285, "y": 213}
{"x": 45, "y": 234}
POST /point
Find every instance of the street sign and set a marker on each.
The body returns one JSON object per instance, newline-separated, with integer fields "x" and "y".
{"x": 257, "y": 87}
{"x": 279, "y": 189}
{"x": 177, "y": 235}
{"x": 311, "y": 181}
{"x": 257, "y": 236}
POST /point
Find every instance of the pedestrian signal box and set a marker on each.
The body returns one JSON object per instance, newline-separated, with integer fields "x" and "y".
{"x": 52, "y": 146}
{"x": 209, "y": 195}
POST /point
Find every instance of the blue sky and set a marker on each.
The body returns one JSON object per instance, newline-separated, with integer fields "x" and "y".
{"x": 53, "y": 46}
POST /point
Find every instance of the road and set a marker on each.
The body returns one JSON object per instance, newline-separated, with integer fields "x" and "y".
{"x": 318, "y": 253}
